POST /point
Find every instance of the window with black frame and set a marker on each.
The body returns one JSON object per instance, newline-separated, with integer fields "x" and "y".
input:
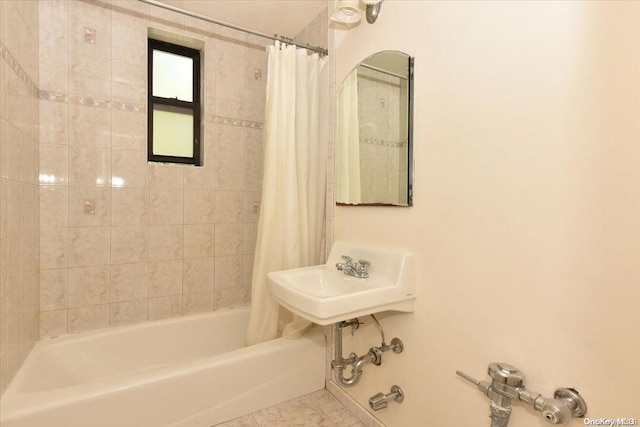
{"x": 174, "y": 103}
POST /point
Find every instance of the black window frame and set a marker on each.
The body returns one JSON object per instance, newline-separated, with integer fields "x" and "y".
{"x": 194, "y": 106}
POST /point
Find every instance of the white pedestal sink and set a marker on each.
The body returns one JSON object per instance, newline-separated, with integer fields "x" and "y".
{"x": 325, "y": 295}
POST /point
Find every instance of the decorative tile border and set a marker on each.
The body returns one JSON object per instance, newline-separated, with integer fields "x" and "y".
{"x": 17, "y": 68}
{"x": 53, "y": 96}
{"x": 137, "y": 108}
{"x": 230, "y": 121}
{"x": 89, "y": 101}
{"x": 127, "y": 106}
{"x": 383, "y": 142}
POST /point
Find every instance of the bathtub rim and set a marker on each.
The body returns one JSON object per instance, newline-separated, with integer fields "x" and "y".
{"x": 16, "y": 403}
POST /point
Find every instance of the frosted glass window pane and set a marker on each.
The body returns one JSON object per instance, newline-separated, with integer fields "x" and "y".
{"x": 172, "y": 76}
{"x": 172, "y": 132}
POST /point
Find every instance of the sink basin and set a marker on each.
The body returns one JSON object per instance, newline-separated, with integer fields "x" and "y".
{"x": 325, "y": 295}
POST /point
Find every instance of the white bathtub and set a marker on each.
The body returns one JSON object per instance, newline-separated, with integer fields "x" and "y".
{"x": 189, "y": 371}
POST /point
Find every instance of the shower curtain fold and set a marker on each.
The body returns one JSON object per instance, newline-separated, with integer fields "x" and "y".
{"x": 291, "y": 221}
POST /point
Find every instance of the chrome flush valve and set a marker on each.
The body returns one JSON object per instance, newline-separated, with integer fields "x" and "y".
{"x": 508, "y": 384}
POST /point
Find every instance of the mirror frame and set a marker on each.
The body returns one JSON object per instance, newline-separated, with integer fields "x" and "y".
{"x": 410, "y": 158}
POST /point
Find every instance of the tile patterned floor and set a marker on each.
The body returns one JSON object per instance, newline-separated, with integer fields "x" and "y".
{"x": 317, "y": 409}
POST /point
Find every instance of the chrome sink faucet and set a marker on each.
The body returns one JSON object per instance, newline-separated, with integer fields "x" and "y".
{"x": 359, "y": 270}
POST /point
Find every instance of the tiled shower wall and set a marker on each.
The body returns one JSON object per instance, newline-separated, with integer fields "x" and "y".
{"x": 19, "y": 278}
{"x": 164, "y": 240}
{"x": 383, "y": 137}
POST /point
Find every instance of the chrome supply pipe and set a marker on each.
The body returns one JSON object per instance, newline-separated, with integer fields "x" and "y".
{"x": 357, "y": 363}
{"x": 508, "y": 384}
{"x": 339, "y": 363}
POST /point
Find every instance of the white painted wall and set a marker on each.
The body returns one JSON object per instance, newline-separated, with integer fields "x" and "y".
{"x": 526, "y": 224}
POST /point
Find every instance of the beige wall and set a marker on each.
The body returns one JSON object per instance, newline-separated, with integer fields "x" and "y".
{"x": 165, "y": 240}
{"x": 525, "y": 224}
{"x": 19, "y": 278}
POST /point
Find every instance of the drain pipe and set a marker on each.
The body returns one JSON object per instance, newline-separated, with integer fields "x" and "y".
{"x": 339, "y": 363}
{"x": 373, "y": 356}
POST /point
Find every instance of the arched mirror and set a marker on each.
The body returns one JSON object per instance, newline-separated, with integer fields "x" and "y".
{"x": 374, "y": 132}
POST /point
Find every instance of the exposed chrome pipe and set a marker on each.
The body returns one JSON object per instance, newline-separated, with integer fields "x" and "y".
{"x": 320, "y": 50}
{"x": 373, "y": 356}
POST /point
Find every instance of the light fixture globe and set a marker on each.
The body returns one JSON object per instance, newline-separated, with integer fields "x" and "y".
{"x": 347, "y": 13}
{"x": 372, "y": 10}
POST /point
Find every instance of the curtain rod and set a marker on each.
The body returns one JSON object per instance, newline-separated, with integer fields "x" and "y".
{"x": 320, "y": 50}
{"x": 380, "y": 70}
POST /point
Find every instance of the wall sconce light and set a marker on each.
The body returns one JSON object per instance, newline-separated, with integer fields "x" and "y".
{"x": 348, "y": 12}
{"x": 372, "y": 10}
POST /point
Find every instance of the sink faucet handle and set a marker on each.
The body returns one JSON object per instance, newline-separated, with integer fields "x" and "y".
{"x": 363, "y": 265}
{"x": 347, "y": 259}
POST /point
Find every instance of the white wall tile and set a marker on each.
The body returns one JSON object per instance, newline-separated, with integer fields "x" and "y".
{"x": 89, "y": 126}
{"x": 80, "y": 201}
{"x": 229, "y": 239}
{"x": 85, "y": 319}
{"x": 198, "y": 276}
{"x": 229, "y": 141}
{"x": 54, "y": 70}
{"x": 166, "y": 242}
{"x": 53, "y": 323}
{"x": 53, "y": 290}
{"x": 128, "y": 130}
{"x": 231, "y": 297}
{"x": 197, "y": 303}
{"x": 129, "y": 206}
{"x": 199, "y": 241}
{"x": 54, "y": 123}
{"x": 228, "y": 271}
{"x": 97, "y": 8}
{"x": 89, "y": 246}
{"x": 129, "y": 82}
{"x": 129, "y": 169}
{"x": 199, "y": 178}
{"x": 165, "y": 307}
{"x": 199, "y": 207}
{"x": 54, "y": 25}
{"x": 165, "y": 278}
{"x": 54, "y": 248}
{"x": 54, "y": 167}
{"x": 229, "y": 207}
{"x": 229, "y": 174}
{"x": 88, "y": 166}
{"x": 88, "y": 286}
{"x": 166, "y": 206}
{"x": 129, "y": 244}
{"x": 89, "y": 76}
{"x": 129, "y": 282}
{"x": 166, "y": 176}
{"x": 129, "y": 43}
{"x": 149, "y": 250}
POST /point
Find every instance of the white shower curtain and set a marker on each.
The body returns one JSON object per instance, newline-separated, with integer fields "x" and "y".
{"x": 291, "y": 222}
{"x": 348, "y": 142}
